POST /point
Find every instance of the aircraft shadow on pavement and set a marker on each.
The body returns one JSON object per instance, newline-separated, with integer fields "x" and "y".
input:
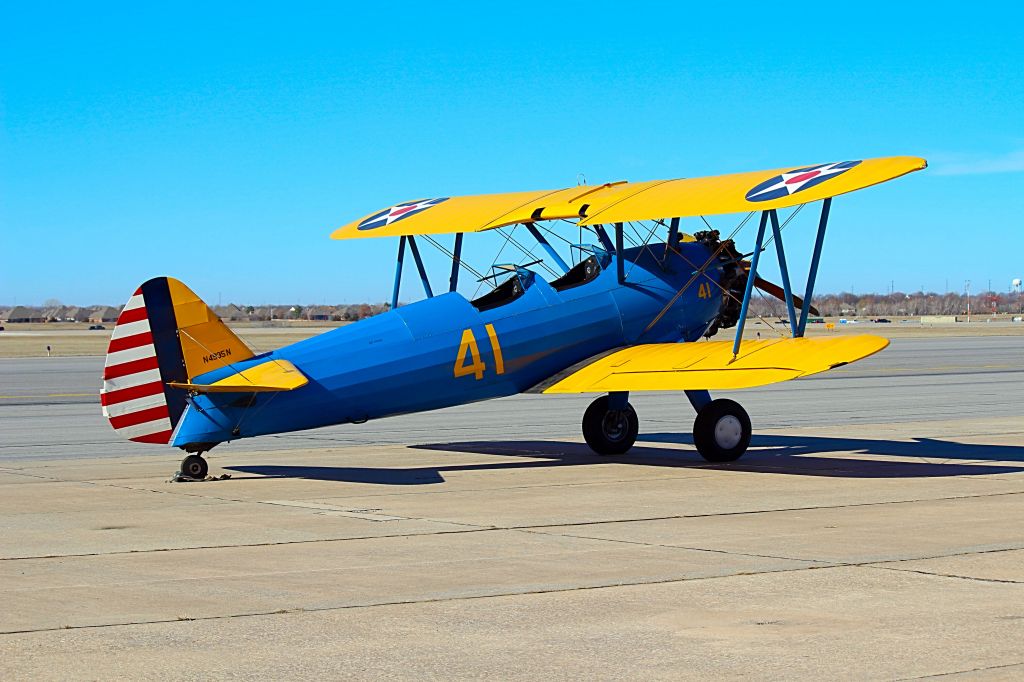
{"x": 770, "y": 454}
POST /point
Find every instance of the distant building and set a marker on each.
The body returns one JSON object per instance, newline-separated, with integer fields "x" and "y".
{"x": 260, "y": 313}
{"x": 22, "y": 314}
{"x": 76, "y": 314}
{"x": 321, "y": 313}
{"x": 230, "y": 313}
{"x": 55, "y": 314}
{"x": 104, "y": 313}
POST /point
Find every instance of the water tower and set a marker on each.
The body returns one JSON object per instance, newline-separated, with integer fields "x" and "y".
{"x": 1016, "y": 285}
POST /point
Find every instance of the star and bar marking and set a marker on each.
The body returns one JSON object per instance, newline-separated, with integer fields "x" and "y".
{"x": 797, "y": 180}
{"x": 399, "y": 212}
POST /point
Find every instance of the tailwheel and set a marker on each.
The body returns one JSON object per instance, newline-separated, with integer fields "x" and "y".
{"x": 607, "y": 431}
{"x": 194, "y": 466}
{"x": 721, "y": 431}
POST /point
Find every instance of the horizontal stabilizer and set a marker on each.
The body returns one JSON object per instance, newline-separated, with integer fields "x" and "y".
{"x": 165, "y": 334}
{"x": 272, "y": 375}
{"x": 710, "y": 365}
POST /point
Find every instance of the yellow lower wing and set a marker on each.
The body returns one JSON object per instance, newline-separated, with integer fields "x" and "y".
{"x": 710, "y": 365}
{"x": 272, "y": 375}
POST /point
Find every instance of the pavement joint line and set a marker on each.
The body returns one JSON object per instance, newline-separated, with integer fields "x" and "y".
{"x": 933, "y": 676}
{"x": 275, "y": 503}
{"x": 471, "y": 528}
{"x": 434, "y": 600}
{"x": 73, "y": 444}
{"x": 213, "y": 499}
{"x": 50, "y": 479}
{"x": 696, "y": 466}
{"x": 686, "y": 547}
{"x": 827, "y": 562}
{"x": 51, "y": 395}
{"x": 951, "y": 555}
{"x": 243, "y": 545}
{"x": 688, "y": 466}
{"x": 942, "y": 575}
{"x": 411, "y": 602}
{"x": 520, "y": 487}
{"x": 768, "y": 511}
{"x": 305, "y": 571}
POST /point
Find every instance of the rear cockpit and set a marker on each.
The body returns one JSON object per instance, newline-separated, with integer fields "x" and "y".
{"x": 583, "y": 272}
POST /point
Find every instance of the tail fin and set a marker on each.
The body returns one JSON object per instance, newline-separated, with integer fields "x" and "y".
{"x": 164, "y": 334}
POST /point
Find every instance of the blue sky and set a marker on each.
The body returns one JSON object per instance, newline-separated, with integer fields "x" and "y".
{"x": 223, "y": 145}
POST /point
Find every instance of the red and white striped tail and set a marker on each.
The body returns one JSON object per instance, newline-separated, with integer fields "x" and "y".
{"x": 133, "y": 397}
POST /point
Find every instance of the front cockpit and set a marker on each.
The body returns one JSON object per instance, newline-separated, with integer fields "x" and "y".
{"x": 506, "y": 292}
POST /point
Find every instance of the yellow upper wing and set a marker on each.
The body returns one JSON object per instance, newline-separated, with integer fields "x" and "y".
{"x": 625, "y": 201}
{"x": 709, "y": 365}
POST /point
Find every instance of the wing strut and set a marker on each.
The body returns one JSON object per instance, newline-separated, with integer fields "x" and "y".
{"x": 620, "y": 265}
{"x": 786, "y": 289}
{"x": 603, "y": 237}
{"x": 453, "y": 280}
{"x": 819, "y": 241}
{"x": 398, "y": 272}
{"x": 546, "y": 245}
{"x": 419, "y": 266}
{"x": 673, "y": 233}
{"x": 797, "y": 326}
{"x": 751, "y": 276}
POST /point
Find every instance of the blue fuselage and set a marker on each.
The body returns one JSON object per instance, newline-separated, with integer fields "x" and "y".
{"x": 443, "y": 351}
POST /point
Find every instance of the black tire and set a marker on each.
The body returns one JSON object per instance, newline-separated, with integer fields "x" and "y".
{"x": 194, "y": 466}
{"x": 610, "y": 432}
{"x": 721, "y": 431}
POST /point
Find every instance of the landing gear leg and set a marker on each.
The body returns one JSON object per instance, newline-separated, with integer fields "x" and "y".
{"x": 610, "y": 424}
{"x": 194, "y": 466}
{"x": 721, "y": 430}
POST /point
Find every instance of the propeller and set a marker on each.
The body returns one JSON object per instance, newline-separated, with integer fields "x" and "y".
{"x": 775, "y": 290}
{"x": 778, "y": 292}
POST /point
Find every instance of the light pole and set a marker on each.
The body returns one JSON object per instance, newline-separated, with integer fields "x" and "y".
{"x": 967, "y": 289}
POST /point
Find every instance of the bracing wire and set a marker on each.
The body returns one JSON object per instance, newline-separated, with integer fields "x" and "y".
{"x": 451, "y": 255}
{"x": 645, "y": 247}
{"x": 529, "y": 254}
{"x": 496, "y": 257}
{"x": 700, "y": 271}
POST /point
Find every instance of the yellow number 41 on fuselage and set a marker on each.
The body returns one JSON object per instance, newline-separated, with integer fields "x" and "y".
{"x": 469, "y": 347}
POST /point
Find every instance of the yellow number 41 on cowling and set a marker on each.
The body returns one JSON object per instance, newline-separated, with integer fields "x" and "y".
{"x": 475, "y": 366}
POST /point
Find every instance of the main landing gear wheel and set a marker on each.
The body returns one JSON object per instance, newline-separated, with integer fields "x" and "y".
{"x": 721, "y": 431}
{"x": 194, "y": 466}
{"x": 610, "y": 432}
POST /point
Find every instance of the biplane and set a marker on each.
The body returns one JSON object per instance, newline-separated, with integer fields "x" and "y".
{"x": 627, "y": 313}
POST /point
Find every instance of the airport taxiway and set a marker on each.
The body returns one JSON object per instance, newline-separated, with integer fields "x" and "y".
{"x": 875, "y": 529}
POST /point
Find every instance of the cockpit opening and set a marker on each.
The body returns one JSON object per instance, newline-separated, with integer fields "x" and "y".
{"x": 506, "y": 292}
{"x": 585, "y": 271}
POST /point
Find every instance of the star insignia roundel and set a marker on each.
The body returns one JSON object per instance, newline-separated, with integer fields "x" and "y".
{"x": 399, "y": 212}
{"x": 797, "y": 180}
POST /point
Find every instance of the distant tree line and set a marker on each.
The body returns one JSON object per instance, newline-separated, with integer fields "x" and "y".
{"x": 325, "y": 313}
{"x": 897, "y": 304}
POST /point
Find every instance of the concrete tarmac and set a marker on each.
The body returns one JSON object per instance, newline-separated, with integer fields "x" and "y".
{"x": 875, "y": 529}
